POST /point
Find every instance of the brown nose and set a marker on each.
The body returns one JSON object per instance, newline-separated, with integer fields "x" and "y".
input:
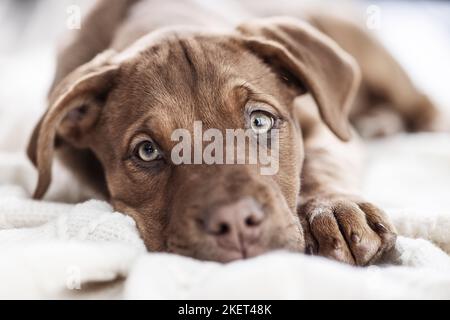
{"x": 237, "y": 225}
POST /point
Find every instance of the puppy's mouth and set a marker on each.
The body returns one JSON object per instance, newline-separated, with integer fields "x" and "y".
{"x": 226, "y": 250}
{"x": 241, "y": 251}
{"x": 221, "y": 250}
{"x": 223, "y": 255}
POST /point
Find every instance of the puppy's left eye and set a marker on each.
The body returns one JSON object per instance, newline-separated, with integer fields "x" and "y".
{"x": 261, "y": 122}
{"x": 147, "y": 151}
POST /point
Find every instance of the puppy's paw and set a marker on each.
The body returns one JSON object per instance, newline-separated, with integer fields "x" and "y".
{"x": 347, "y": 230}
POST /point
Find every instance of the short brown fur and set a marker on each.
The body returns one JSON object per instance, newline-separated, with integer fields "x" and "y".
{"x": 116, "y": 92}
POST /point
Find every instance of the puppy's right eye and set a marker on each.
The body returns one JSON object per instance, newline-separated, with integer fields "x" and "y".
{"x": 147, "y": 151}
{"x": 261, "y": 122}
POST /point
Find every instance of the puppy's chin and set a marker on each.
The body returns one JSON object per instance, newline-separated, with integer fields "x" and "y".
{"x": 227, "y": 256}
{"x": 219, "y": 254}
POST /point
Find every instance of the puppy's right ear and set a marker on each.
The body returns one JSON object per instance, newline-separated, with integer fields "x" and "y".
{"x": 330, "y": 74}
{"x": 75, "y": 107}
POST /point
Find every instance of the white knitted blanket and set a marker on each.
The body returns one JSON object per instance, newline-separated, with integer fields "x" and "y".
{"x": 85, "y": 250}
{"x": 50, "y": 250}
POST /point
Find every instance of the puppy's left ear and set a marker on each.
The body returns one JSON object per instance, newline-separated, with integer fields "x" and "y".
{"x": 74, "y": 108}
{"x": 327, "y": 71}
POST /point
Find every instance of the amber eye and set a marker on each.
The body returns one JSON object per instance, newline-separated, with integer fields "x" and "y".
{"x": 147, "y": 151}
{"x": 261, "y": 122}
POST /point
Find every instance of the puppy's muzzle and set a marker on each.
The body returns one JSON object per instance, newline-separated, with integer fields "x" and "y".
{"x": 236, "y": 227}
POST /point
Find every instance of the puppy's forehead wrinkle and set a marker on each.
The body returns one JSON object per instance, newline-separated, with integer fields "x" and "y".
{"x": 189, "y": 59}
{"x": 182, "y": 79}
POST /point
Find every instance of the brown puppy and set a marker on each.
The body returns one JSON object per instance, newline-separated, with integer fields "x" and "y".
{"x": 116, "y": 102}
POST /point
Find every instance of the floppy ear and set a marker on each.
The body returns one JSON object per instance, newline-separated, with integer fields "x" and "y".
{"x": 327, "y": 71}
{"x": 74, "y": 108}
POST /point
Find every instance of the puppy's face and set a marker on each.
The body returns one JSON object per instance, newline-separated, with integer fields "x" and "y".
{"x": 209, "y": 211}
{"x": 126, "y": 107}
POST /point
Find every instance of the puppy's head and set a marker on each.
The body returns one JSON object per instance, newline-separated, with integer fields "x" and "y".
{"x": 125, "y": 107}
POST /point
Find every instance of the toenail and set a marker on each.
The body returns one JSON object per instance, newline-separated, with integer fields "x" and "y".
{"x": 355, "y": 238}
